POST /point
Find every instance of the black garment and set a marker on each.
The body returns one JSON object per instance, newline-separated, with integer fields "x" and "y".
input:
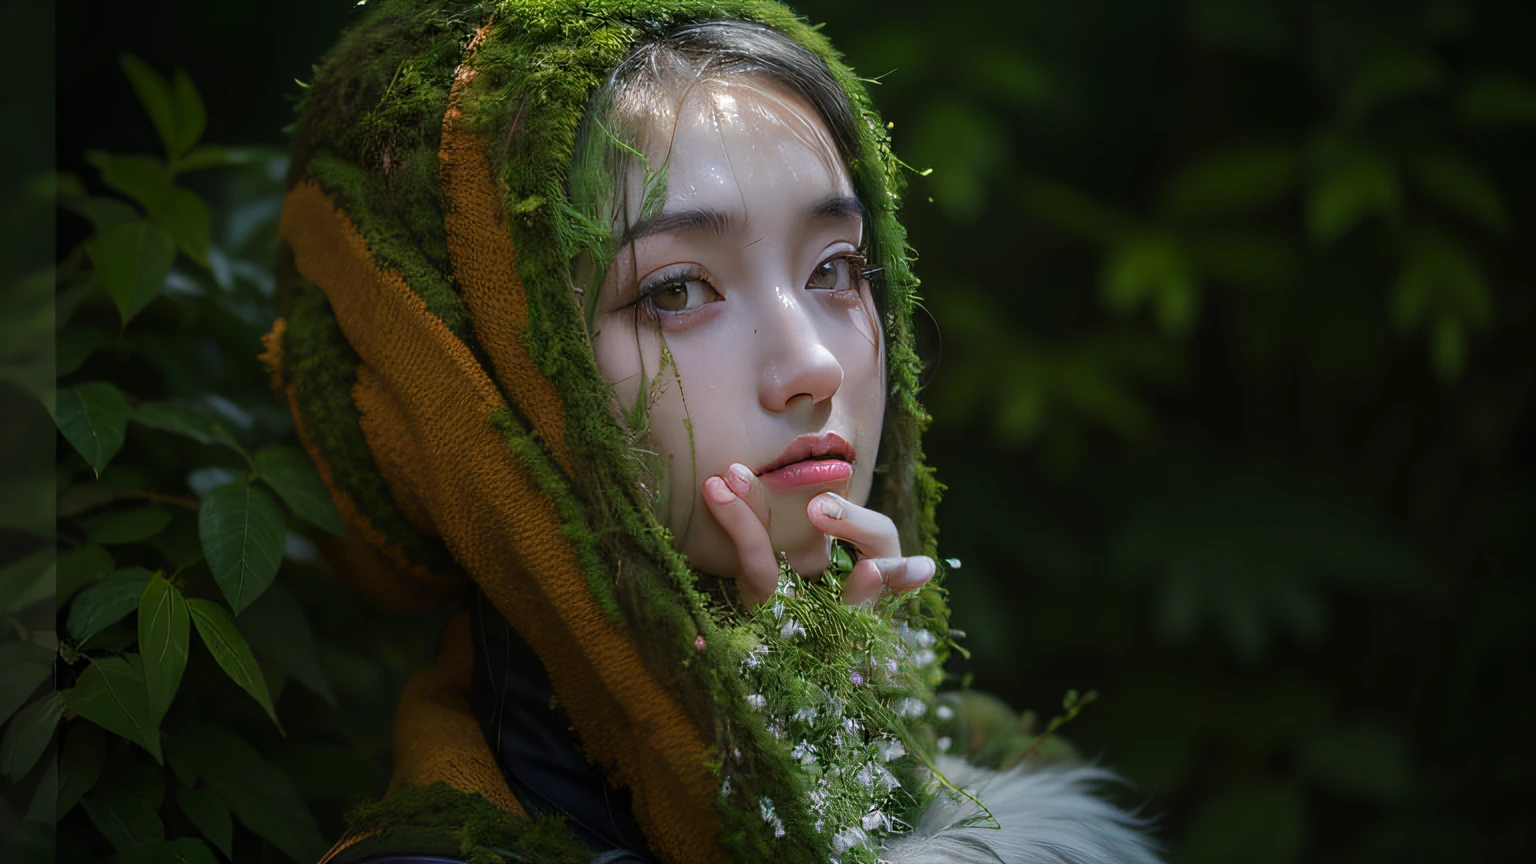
{"x": 538, "y": 751}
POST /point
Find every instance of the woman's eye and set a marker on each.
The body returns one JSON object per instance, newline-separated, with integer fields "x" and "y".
{"x": 682, "y": 295}
{"x": 833, "y": 274}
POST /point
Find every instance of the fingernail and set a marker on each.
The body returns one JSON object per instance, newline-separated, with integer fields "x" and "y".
{"x": 831, "y": 506}
{"x": 926, "y": 570}
{"x": 717, "y": 492}
{"x": 739, "y": 478}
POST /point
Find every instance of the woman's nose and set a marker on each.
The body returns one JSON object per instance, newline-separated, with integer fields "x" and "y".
{"x": 795, "y": 360}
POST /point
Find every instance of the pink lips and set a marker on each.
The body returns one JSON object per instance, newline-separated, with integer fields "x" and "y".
{"x": 810, "y": 460}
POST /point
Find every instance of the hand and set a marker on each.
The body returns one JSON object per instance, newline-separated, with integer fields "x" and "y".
{"x": 739, "y": 503}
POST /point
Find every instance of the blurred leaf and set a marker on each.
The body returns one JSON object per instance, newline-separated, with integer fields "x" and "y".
{"x": 277, "y": 630}
{"x": 123, "y": 818}
{"x": 1152, "y": 270}
{"x": 209, "y": 814}
{"x": 206, "y": 157}
{"x": 183, "y": 850}
{"x": 81, "y": 567}
{"x": 111, "y": 693}
{"x": 101, "y": 212}
{"x": 1007, "y": 75}
{"x": 85, "y": 751}
{"x": 217, "y": 628}
{"x": 1245, "y": 258}
{"x": 191, "y": 118}
{"x": 1367, "y": 761}
{"x": 28, "y": 734}
{"x": 1439, "y": 279}
{"x": 126, "y": 526}
{"x": 107, "y": 602}
{"x": 965, "y": 148}
{"x": 1390, "y": 75}
{"x": 1231, "y": 182}
{"x": 142, "y": 178}
{"x": 292, "y": 476}
{"x": 74, "y": 346}
{"x": 26, "y": 665}
{"x": 1345, "y": 192}
{"x": 1071, "y": 211}
{"x": 154, "y": 93}
{"x": 1254, "y": 823}
{"x": 132, "y": 261}
{"x": 1251, "y": 26}
{"x": 259, "y": 793}
{"x": 180, "y": 420}
{"x": 27, "y": 579}
{"x": 185, "y": 219}
{"x": 242, "y": 533}
{"x": 1463, "y": 188}
{"x": 164, "y": 635}
{"x": 94, "y": 419}
{"x": 45, "y": 796}
{"x": 1499, "y": 100}
{"x": 204, "y": 480}
{"x": 1448, "y": 348}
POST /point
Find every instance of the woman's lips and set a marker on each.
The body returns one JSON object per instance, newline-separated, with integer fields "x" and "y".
{"x": 807, "y": 472}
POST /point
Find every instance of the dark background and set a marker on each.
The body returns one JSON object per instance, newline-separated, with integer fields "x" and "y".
{"x": 1234, "y": 399}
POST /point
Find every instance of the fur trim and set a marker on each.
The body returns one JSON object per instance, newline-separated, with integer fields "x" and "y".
{"x": 1048, "y": 816}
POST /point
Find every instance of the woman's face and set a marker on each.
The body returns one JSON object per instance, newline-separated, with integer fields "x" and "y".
{"x": 742, "y": 276}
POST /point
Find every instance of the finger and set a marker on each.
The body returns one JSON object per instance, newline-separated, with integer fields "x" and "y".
{"x": 749, "y": 489}
{"x": 872, "y": 533}
{"x": 871, "y": 575}
{"x": 759, "y": 576}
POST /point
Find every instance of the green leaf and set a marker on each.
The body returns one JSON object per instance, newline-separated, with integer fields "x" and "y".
{"x": 123, "y": 818}
{"x": 242, "y": 533}
{"x": 205, "y": 810}
{"x": 85, "y": 751}
{"x": 74, "y": 346}
{"x": 1232, "y": 182}
{"x": 1499, "y": 100}
{"x": 184, "y": 216}
{"x": 111, "y": 693}
{"x": 126, "y": 526}
{"x": 277, "y": 631}
{"x": 179, "y": 420}
{"x": 164, "y": 633}
{"x": 1071, "y": 211}
{"x": 1366, "y": 761}
{"x": 182, "y": 850}
{"x": 26, "y": 665}
{"x": 107, "y": 602}
{"x": 1152, "y": 270}
{"x": 28, "y": 734}
{"x": 132, "y": 261}
{"x": 102, "y": 212}
{"x": 94, "y": 420}
{"x": 45, "y": 796}
{"x": 1392, "y": 75}
{"x": 292, "y": 476}
{"x": 217, "y": 628}
{"x": 214, "y": 157}
{"x": 81, "y": 567}
{"x": 191, "y": 117}
{"x": 1440, "y": 278}
{"x": 261, "y": 795}
{"x": 155, "y": 94}
{"x": 142, "y": 178}
{"x": 1461, "y": 187}
{"x": 25, "y": 580}
{"x": 1346, "y": 193}
{"x": 1448, "y": 348}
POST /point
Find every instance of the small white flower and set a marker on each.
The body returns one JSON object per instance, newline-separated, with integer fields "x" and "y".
{"x": 849, "y": 838}
{"x": 725, "y": 788}
{"x": 924, "y": 658}
{"x": 923, "y": 639}
{"x": 912, "y": 707}
{"x": 778, "y": 609}
{"x": 791, "y": 629}
{"x": 757, "y": 701}
{"x": 944, "y": 743}
{"x": 944, "y": 712}
{"x": 892, "y": 749}
{"x": 874, "y": 820}
{"x": 851, "y": 726}
{"x": 806, "y": 714}
{"x": 952, "y": 563}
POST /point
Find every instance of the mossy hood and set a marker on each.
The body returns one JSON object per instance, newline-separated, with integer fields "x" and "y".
{"x": 437, "y": 365}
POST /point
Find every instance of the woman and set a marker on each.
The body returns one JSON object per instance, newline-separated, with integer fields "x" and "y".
{"x": 599, "y": 311}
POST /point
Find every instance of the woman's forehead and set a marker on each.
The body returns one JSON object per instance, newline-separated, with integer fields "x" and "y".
{"x": 737, "y": 143}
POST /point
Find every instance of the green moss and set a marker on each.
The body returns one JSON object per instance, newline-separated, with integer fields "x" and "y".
{"x": 438, "y": 819}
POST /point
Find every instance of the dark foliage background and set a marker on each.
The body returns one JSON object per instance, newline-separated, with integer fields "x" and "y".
{"x": 1233, "y": 304}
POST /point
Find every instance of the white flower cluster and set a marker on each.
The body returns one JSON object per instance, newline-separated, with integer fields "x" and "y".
{"x": 838, "y": 697}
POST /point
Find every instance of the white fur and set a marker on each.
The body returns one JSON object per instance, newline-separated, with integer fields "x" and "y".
{"x": 1048, "y": 816}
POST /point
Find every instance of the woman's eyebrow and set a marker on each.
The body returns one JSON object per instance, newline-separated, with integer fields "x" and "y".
{"x": 715, "y": 221}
